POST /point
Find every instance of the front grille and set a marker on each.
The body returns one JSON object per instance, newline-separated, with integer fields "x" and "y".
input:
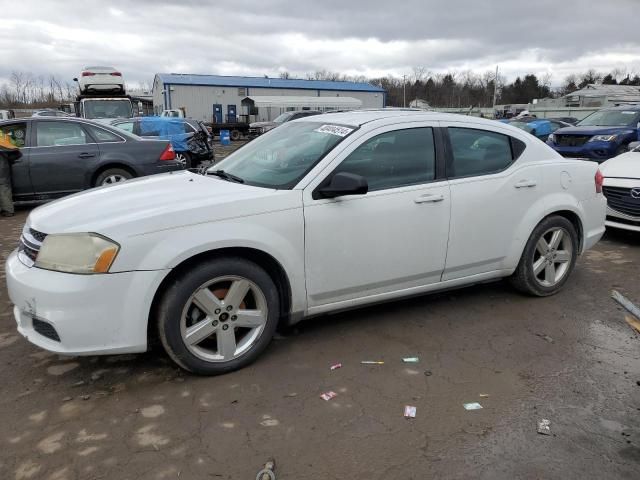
{"x": 30, "y": 243}
{"x": 572, "y": 140}
{"x": 620, "y": 200}
{"x": 45, "y": 329}
{"x": 39, "y": 236}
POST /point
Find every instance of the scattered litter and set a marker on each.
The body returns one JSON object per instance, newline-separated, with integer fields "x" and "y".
{"x": 336, "y": 366}
{"x": 411, "y": 360}
{"x": 372, "y": 362}
{"x": 409, "y": 411}
{"x": 291, "y": 395}
{"x": 472, "y": 406}
{"x": 234, "y": 401}
{"x": 545, "y": 337}
{"x": 428, "y": 373}
{"x": 484, "y": 395}
{"x": 633, "y": 323}
{"x": 78, "y": 384}
{"x": 544, "y": 427}
{"x": 96, "y": 376}
{"x": 328, "y": 396}
{"x": 268, "y": 472}
{"x": 86, "y": 397}
{"x": 626, "y": 303}
{"x": 67, "y": 399}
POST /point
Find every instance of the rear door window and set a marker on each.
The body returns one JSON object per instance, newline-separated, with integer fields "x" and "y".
{"x": 103, "y": 136}
{"x": 480, "y": 152}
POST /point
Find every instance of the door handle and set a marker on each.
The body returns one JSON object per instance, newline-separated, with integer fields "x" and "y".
{"x": 86, "y": 155}
{"x": 525, "y": 184}
{"x": 429, "y": 198}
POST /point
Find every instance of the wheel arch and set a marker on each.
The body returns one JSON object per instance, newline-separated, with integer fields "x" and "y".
{"x": 273, "y": 268}
{"x": 109, "y": 166}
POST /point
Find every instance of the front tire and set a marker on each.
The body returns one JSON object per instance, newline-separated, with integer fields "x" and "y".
{"x": 219, "y": 316}
{"x": 548, "y": 258}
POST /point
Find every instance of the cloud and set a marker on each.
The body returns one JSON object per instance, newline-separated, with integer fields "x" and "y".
{"x": 357, "y": 37}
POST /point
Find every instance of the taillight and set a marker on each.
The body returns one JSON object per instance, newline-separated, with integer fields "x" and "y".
{"x": 88, "y": 74}
{"x": 599, "y": 180}
{"x": 116, "y": 74}
{"x": 168, "y": 154}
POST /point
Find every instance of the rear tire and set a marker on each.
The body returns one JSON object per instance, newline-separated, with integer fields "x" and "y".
{"x": 235, "y": 135}
{"x": 207, "y": 323}
{"x": 112, "y": 176}
{"x": 548, "y": 258}
{"x": 185, "y": 159}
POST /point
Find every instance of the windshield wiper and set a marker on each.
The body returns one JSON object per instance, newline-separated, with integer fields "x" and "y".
{"x": 226, "y": 176}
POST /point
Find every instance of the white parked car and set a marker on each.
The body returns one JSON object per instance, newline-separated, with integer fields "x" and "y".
{"x": 99, "y": 80}
{"x": 321, "y": 214}
{"x": 622, "y": 189}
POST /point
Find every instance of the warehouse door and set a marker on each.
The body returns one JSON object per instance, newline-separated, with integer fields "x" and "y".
{"x": 231, "y": 113}
{"x": 217, "y": 113}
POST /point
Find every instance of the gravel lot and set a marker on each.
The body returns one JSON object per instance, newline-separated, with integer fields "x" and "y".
{"x": 570, "y": 358}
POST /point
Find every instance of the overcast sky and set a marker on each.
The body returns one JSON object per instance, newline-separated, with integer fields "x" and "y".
{"x": 356, "y": 37}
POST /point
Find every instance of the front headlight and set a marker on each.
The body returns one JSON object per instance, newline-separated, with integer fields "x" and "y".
{"x": 77, "y": 253}
{"x": 603, "y": 138}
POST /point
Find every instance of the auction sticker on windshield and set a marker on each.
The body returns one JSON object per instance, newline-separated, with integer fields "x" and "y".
{"x": 334, "y": 130}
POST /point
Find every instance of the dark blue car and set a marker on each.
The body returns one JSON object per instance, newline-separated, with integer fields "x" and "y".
{"x": 602, "y": 135}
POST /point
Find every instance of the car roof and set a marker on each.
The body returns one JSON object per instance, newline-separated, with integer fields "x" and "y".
{"x": 635, "y": 108}
{"x": 358, "y": 118}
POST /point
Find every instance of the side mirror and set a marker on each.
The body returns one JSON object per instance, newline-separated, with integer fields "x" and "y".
{"x": 342, "y": 184}
{"x": 633, "y": 146}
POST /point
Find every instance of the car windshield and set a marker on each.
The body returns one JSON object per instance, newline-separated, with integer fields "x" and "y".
{"x": 280, "y": 158}
{"x": 283, "y": 117}
{"x": 612, "y": 118}
{"x": 107, "y": 109}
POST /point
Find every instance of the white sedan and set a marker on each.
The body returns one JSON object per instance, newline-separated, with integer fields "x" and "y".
{"x": 622, "y": 189}
{"x": 321, "y": 214}
{"x": 99, "y": 80}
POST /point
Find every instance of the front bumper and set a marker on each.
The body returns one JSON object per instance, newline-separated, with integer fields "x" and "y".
{"x": 90, "y": 314}
{"x": 598, "y": 151}
{"x": 622, "y": 221}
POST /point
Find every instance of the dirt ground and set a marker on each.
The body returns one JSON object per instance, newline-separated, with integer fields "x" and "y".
{"x": 570, "y": 358}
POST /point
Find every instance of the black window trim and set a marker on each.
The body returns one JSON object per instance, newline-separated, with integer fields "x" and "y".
{"x": 440, "y": 156}
{"x": 449, "y": 152}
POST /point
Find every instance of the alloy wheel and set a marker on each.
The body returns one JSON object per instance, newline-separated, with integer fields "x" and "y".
{"x": 223, "y": 318}
{"x": 552, "y": 256}
{"x": 111, "y": 179}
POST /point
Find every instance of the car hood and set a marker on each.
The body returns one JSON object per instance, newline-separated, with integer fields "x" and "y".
{"x": 157, "y": 202}
{"x": 592, "y": 130}
{"x": 626, "y": 165}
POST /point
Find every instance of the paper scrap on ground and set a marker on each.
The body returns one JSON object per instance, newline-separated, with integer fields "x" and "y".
{"x": 409, "y": 411}
{"x": 411, "y": 360}
{"x": 633, "y": 323}
{"x": 484, "y": 395}
{"x": 472, "y": 406}
{"x": 328, "y": 395}
{"x": 544, "y": 427}
{"x": 371, "y": 362}
{"x": 336, "y": 366}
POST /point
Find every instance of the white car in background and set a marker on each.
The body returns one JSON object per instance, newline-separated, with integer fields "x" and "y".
{"x": 100, "y": 80}
{"x": 321, "y": 214}
{"x": 622, "y": 189}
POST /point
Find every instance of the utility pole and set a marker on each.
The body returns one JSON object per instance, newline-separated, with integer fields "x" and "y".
{"x": 404, "y": 91}
{"x": 495, "y": 90}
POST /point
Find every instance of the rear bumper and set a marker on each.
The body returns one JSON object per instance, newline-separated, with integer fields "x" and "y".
{"x": 160, "y": 167}
{"x": 81, "y": 314}
{"x": 594, "y": 220}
